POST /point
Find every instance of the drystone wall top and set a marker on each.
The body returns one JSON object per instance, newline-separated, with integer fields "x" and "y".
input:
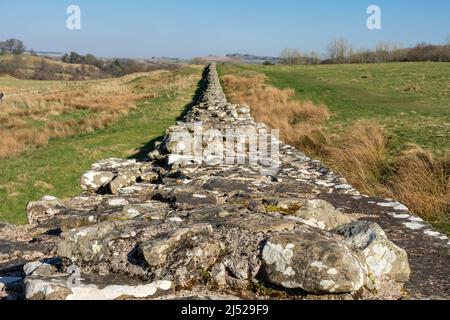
{"x": 188, "y": 222}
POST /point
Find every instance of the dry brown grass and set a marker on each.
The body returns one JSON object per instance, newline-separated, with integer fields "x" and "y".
{"x": 26, "y": 66}
{"x": 421, "y": 181}
{"x": 33, "y": 114}
{"x": 412, "y": 176}
{"x": 297, "y": 121}
{"x": 362, "y": 154}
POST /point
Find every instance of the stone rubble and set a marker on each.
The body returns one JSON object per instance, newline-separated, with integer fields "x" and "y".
{"x": 184, "y": 226}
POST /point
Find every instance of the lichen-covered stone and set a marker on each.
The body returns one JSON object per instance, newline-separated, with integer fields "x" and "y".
{"x": 39, "y": 268}
{"x": 93, "y": 181}
{"x": 219, "y": 275}
{"x": 44, "y": 209}
{"x": 383, "y": 257}
{"x": 312, "y": 262}
{"x": 259, "y": 223}
{"x": 109, "y": 287}
{"x": 155, "y": 251}
{"x": 321, "y": 214}
{"x": 123, "y": 180}
{"x": 190, "y": 261}
{"x": 88, "y": 244}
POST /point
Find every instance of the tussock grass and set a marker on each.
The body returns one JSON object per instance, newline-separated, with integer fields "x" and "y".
{"x": 422, "y": 182}
{"x": 362, "y": 153}
{"x": 297, "y": 121}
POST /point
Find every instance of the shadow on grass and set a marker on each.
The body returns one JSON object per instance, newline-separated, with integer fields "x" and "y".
{"x": 144, "y": 150}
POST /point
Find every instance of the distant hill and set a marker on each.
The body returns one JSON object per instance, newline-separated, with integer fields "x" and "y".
{"x": 46, "y": 53}
{"x": 250, "y": 58}
{"x": 216, "y": 58}
{"x": 28, "y": 66}
{"x": 240, "y": 58}
{"x": 77, "y": 67}
{"x": 162, "y": 62}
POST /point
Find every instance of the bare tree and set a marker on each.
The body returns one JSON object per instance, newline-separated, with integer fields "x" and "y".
{"x": 19, "y": 47}
{"x": 384, "y": 50}
{"x": 2, "y": 47}
{"x": 291, "y": 56}
{"x": 398, "y": 53}
{"x": 13, "y": 46}
{"x": 9, "y": 45}
{"x": 447, "y": 41}
{"x": 315, "y": 57}
{"x": 339, "y": 50}
{"x": 286, "y": 56}
{"x": 297, "y": 56}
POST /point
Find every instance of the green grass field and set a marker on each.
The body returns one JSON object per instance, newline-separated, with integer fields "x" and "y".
{"x": 411, "y": 100}
{"x": 56, "y": 169}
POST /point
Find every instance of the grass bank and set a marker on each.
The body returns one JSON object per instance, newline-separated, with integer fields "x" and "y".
{"x": 56, "y": 168}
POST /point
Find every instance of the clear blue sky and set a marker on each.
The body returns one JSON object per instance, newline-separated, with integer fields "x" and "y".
{"x": 187, "y": 28}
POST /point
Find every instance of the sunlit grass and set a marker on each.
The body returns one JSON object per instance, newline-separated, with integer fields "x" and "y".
{"x": 56, "y": 167}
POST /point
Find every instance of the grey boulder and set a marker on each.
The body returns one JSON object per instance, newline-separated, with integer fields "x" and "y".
{"x": 383, "y": 257}
{"x": 313, "y": 262}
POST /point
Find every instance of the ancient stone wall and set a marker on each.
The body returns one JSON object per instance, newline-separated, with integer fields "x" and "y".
{"x": 189, "y": 224}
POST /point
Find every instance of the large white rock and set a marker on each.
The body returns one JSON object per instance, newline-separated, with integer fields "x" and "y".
{"x": 92, "y": 181}
{"x": 383, "y": 257}
{"x": 312, "y": 262}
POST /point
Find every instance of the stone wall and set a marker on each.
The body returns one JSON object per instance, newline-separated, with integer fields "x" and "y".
{"x": 190, "y": 225}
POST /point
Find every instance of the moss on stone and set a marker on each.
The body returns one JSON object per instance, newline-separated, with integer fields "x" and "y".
{"x": 291, "y": 210}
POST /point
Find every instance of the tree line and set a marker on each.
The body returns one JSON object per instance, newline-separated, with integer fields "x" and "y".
{"x": 341, "y": 51}
{"x": 114, "y": 67}
{"x": 88, "y": 66}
